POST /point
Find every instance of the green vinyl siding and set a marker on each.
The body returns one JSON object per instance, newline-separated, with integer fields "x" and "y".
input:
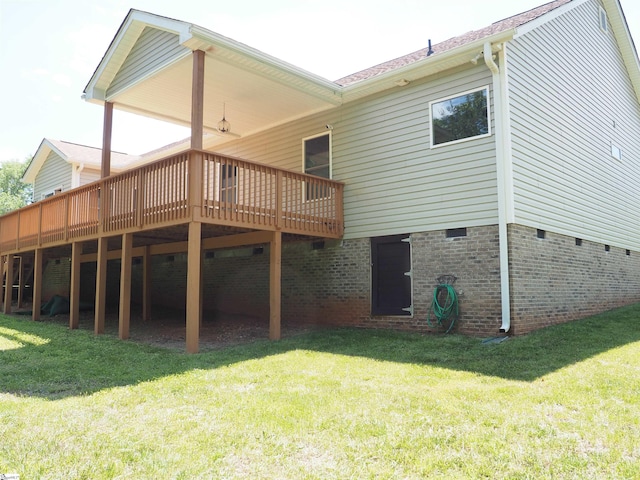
{"x": 55, "y": 173}
{"x": 394, "y": 182}
{"x": 153, "y": 49}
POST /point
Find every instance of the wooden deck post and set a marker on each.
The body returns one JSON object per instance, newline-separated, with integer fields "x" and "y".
{"x": 37, "y": 285}
{"x": 275, "y": 287}
{"x": 105, "y": 167}
{"x": 2, "y": 267}
{"x": 101, "y": 285}
{"x": 194, "y": 288}
{"x": 21, "y": 281}
{"x": 146, "y": 284}
{"x": 8, "y": 290}
{"x": 74, "y": 293}
{"x": 125, "y": 286}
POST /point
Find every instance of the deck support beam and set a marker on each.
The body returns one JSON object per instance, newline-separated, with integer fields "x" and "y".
{"x": 194, "y": 287}
{"x": 125, "y": 287}
{"x": 101, "y": 285}
{"x": 37, "y": 285}
{"x": 275, "y": 287}
{"x": 146, "y": 284}
{"x": 21, "y": 281}
{"x": 74, "y": 292}
{"x": 105, "y": 166}
{"x": 8, "y": 290}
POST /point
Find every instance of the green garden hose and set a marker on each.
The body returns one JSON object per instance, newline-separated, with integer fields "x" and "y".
{"x": 444, "y": 307}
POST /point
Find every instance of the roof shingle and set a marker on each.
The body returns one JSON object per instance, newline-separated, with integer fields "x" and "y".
{"x": 461, "y": 40}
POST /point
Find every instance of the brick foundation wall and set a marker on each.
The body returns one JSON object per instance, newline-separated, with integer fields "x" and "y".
{"x": 56, "y": 278}
{"x": 552, "y": 281}
{"x": 333, "y": 285}
{"x": 88, "y": 284}
{"x": 234, "y": 281}
{"x": 555, "y": 281}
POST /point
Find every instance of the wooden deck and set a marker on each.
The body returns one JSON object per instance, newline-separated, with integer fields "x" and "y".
{"x": 188, "y": 202}
{"x": 228, "y": 192}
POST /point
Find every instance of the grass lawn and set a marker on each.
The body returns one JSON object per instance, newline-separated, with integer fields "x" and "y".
{"x": 563, "y": 402}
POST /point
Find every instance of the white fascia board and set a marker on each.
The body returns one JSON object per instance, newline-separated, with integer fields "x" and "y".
{"x": 135, "y": 20}
{"x": 45, "y": 148}
{"x": 423, "y": 68}
{"x": 273, "y": 68}
{"x": 625, "y": 41}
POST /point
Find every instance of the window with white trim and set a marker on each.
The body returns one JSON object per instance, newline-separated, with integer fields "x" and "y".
{"x": 316, "y": 158}
{"x": 51, "y": 193}
{"x": 460, "y": 117}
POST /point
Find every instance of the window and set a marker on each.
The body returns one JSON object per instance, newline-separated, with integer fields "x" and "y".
{"x": 317, "y": 161}
{"x": 391, "y": 286}
{"x": 461, "y": 117}
{"x": 51, "y": 193}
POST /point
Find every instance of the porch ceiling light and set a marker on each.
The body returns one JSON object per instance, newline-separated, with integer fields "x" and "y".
{"x": 223, "y": 125}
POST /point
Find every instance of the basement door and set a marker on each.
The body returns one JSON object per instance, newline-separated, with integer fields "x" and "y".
{"x": 391, "y": 290}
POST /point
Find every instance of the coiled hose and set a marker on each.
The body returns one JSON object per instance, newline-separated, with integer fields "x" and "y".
{"x": 444, "y": 308}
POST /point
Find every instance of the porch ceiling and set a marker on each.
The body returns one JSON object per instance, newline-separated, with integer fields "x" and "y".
{"x": 252, "y": 100}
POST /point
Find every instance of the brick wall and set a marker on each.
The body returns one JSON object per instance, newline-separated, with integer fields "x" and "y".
{"x": 333, "y": 285}
{"x": 56, "y": 278}
{"x": 553, "y": 280}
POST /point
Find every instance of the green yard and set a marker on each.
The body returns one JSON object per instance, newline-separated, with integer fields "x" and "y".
{"x": 560, "y": 403}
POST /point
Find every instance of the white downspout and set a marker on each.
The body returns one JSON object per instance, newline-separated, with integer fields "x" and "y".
{"x": 503, "y": 169}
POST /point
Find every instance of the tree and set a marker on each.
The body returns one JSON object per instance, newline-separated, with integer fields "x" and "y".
{"x": 14, "y": 193}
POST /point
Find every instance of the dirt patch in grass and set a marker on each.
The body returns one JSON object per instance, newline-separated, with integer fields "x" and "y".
{"x": 167, "y": 328}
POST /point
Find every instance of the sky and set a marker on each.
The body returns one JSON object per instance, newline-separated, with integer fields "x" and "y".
{"x": 50, "y": 48}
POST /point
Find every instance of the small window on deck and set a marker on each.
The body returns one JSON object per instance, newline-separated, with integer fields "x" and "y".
{"x": 460, "y": 117}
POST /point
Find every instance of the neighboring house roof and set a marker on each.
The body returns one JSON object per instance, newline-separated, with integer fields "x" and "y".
{"x": 73, "y": 153}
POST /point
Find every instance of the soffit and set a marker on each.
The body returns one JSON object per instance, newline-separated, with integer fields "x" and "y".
{"x": 253, "y": 100}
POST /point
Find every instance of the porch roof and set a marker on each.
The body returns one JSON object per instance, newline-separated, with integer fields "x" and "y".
{"x": 260, "y": 91}
{"x": 257, "y": 91}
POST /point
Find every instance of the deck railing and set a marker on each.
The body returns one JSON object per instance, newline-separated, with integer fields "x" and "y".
{"x": 223, "y": 191}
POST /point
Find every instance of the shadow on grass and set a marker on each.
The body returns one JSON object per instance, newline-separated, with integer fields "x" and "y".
{"x": 49, "y": 361}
